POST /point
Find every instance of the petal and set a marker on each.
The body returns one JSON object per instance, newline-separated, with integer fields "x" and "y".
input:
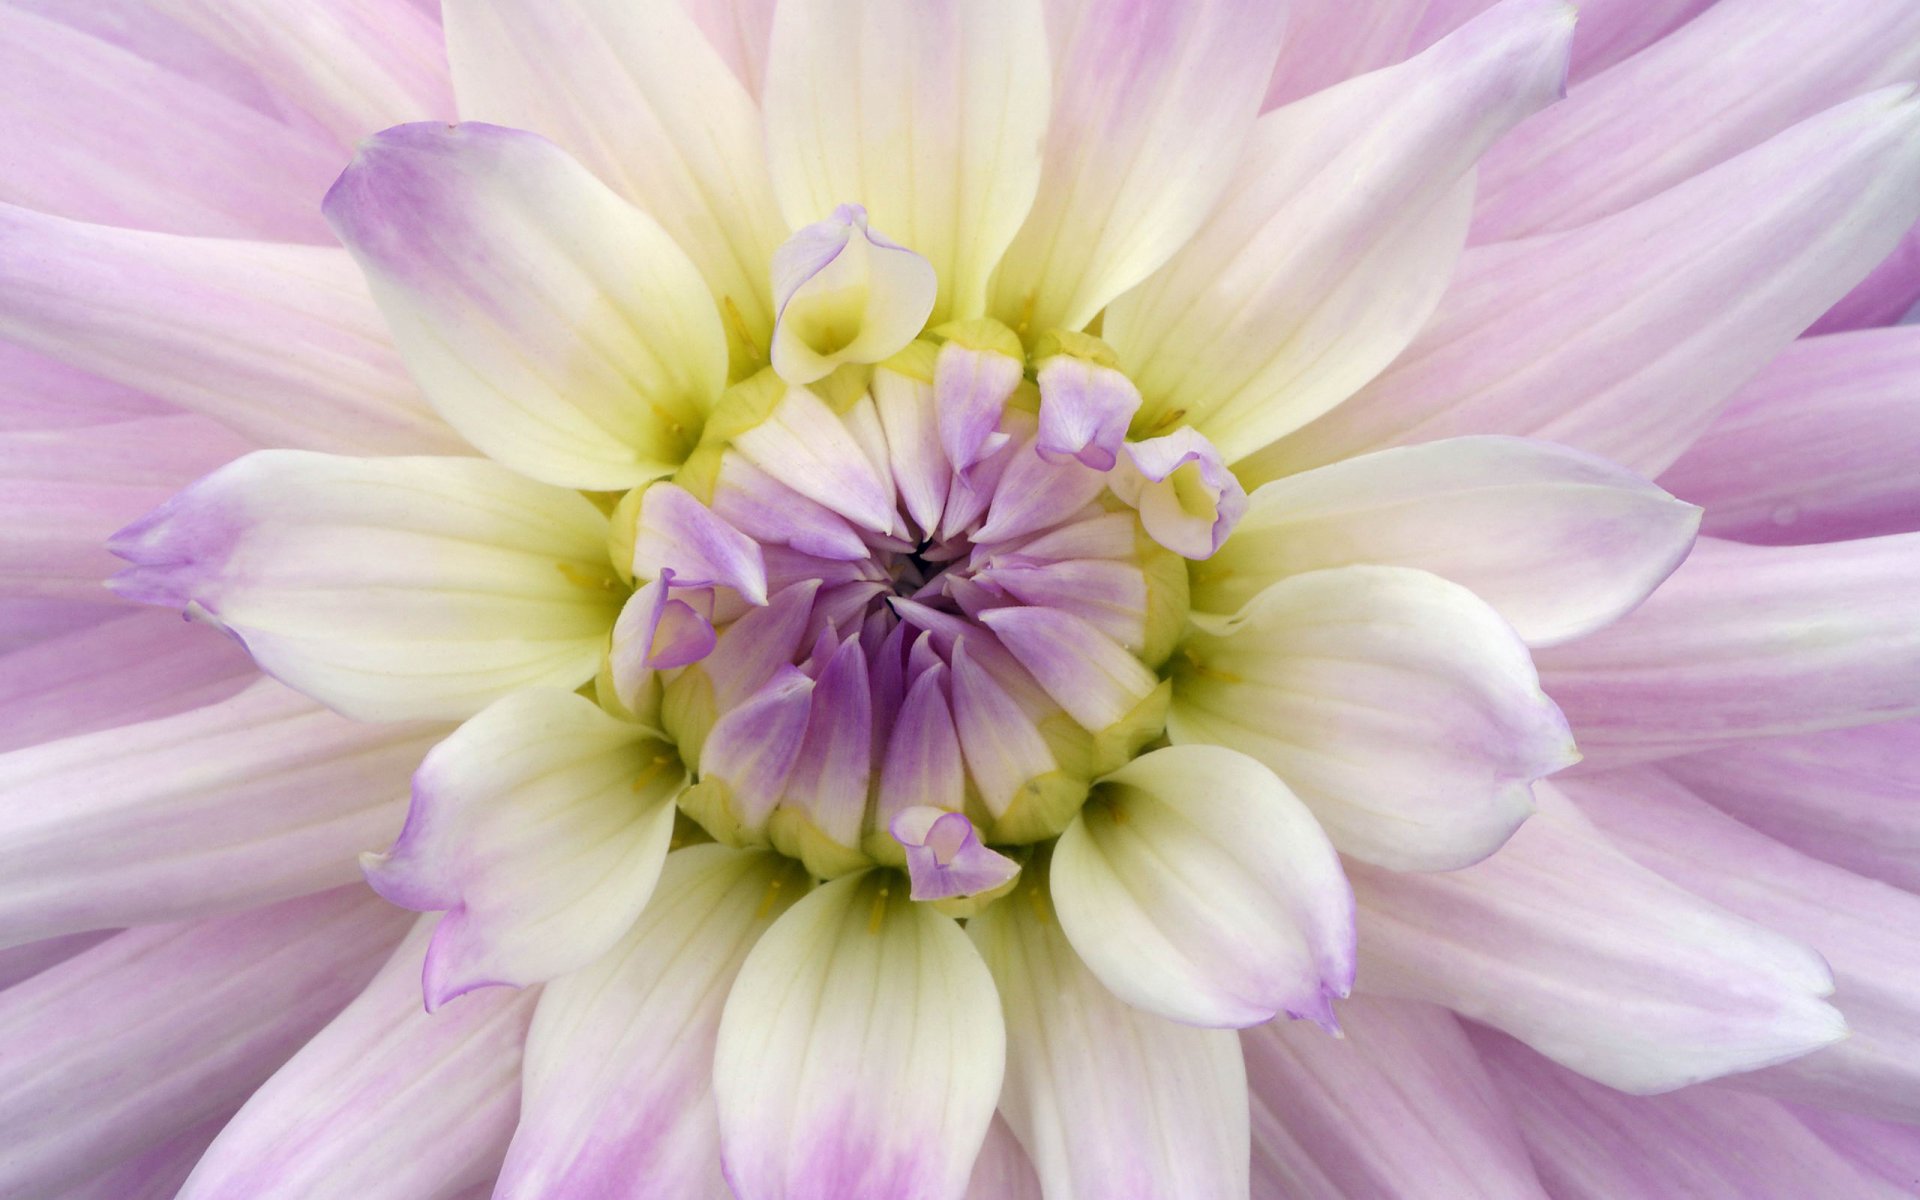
{"x": 945, "y": 857}
{"x": 553, "y": 324}
{"x": 1890, "y": 1151}
{"x": 1189, "y": 501}
{"x": 1625, "y": 336}
{"x": 617, "y": 1092}
{"x": 1818, "y": 447}
{"x": 860, "y": 1052}
{"x": 1560, "y": 543}
{"x": 1595, "y": 961}
{"x": 845, "y": 293}
{"x": 540, "y": 826}
{"x": 23, "y": 962}
{"x": 971, "y": 386}
{"x": 1342, "y": 227}
{"x": 1086, "y": 672}
{"x": 638, "y": 96}
{"x": 234, "y": 805}
{"x": 1325, "y": 46}
{"x": 1152, "y": 104}
{"x": 1398, "y": 706}
{"x": 1109, "y": 1101}
{"x": 1003, "y": 1171}
{"x": 1397, "y": 1109}
{"x": 385, "y": 588}
{"x": 1747, "y": 642}
{"x": 1883, "y": 297}
{"x": 386, "y": 1103}
{"x": 1084, "y": 410}
{"x": 740, "y": 31}
{"x": 804, "y": 445}
{"x": 153, "y": 1031}
{"x": 679, "y": 538}
{"x": 929, "y": 115}
{"x": 1869, "y": 933}
{"x": 1197, "y": 887}
{"x": 281, "y": 343}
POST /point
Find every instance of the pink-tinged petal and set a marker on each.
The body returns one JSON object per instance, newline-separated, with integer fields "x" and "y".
{"x": 234, "y": 805}
{"x": 539, "y": 827}
{"x": 752, "y": 648}
{"x": 127, "y": 1045}
{"x": 654, "y": 633}
{"x": 830, "y": 774}
{"x": 22, "y": 962}
{"x": 1084, "y": 411}
{"x": 1592, "y": 1143}
{"x": 1612, "y": 31}
{"x": 388, "y": 1102}
{"x": 140, "y": 29}
{"x": 909, "y": 417}
{"x": 1818, "y": 447}
{"x": 137, "y": 667}
{"x": 767, "y": 510}
{"x": 804, "y": 445}
{"x": 386, "y": 588}
{"x": 638, "y": 96}
{"x": 971, "y": 386}
{"x": 741, "y": 31}
{"x": 1003, "y": 749}
{"x": 845, "y": 293}
{"x": 1108, "y": 1100}
{"x": 156, "y": 1174}
{"x": 1196, "y": 886}
{"x": 1152, "y": 104}
{"x": 96, "y": 133}
{"x": 1848, "y": 796}
{"x": 1881, "y": 1148}
{"x": 64, "y": 492}
{"x": 930, "y": 115}
{"x": 352, "y": 68}
{"x": 1033, "y": 492}
{"x": 1339, "y": 234}
{"x": 1749, "y": 642}
{"x": 281, "y": 343}
{"x": 1110, "y": 596}
{"x": 1868, "y": 932}
{"x": 616, "y": 1098}
{"x": 1566, "y": 943}
{"x": 1397, "y": 1109}
{"x": 549, "y": 321}
{"x": 680, "y": 538}
{"x": 42, "y": 394}
{"x": 1188, "y": 500}
{"x": 1624, "y": 337}
{"x": 860, "y": 1052}
{"x": 1086, "y": 672}
{"x": 1003, "y": 1171}
{"x": 1560, "y": 543}
{"x": 1887, "y": 294}
{"x": 1324, "y": 46}
{"x": 1688, "y": 103}
{"x": 1398, "y": 706}
{"x": 945, "y": 856}
{"x": 753, "y": 747}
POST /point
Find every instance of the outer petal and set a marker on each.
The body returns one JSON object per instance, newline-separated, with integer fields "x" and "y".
{"x": 1890, "y": 1151}
{"x": 540, "y": 825}
{"x": 1595, "y": 961}
{"x": 119, "y": 1049}
{"x": 1197, "y": 887}
{"x": 279, "y": 342}
{"x": 1111, "y": 1103}
{"x": 1397, "y": 1109}
{"x": 558, "y": 328}
{"x": 1003, "y": 1171}
{"x": 636, "y": 93}
{"x": 1818, "y": 447}
{"x": 1625, "y": 336}
{"x": 385, "y": 588}
{"x": 1152, "y": 104}
{"x": 1325, "y": 46}
{"x": 930, "y": 115}
{"x": 1883, "y": 297}
{"x": 23, "y": 962}
{"x": 385, "y": 1103}
{"x": 1397, "y": 705}
{"x": 238, "y": 804}
{"x": 617, "y": 1094}
{"x": 740, "y": 31}
{"x": 1560, "y": 543}
{"x": 1867, "y": 931}
{"x": 1340, "y": 231}
{"x": 860, "y": 1053}
{"x": 1746, "y": 642}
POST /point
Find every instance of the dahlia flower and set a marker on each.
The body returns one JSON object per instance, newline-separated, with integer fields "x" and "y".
{"x": 916, "y": 599}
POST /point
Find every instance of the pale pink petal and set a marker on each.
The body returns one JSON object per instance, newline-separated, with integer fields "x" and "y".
{"x": 1196, "y": 886}
{"x": 156, "y": 1174}
{"x": 387, "y": 1102}
{"x": 549, "y": 321}
{"x": 1107, "y": 1100}
{"x": 234, "y": 805}
{"x": 769, "y": 511}
{"x": 1560, "y": 543}
{"x": 1086, "y": 672}
{"x": 904, "y": 401}
{"x": 24, "y": 961}
{"x": 678, "y": 538}
{"x": 804, "y": 445}
{"x": 1883, "y": 297}
{"x": 1749, "y": 642}
{"x": 945, "y": 857}
{"x": 616, "y": 1098}
{"x": 1339, "y": 233}
{"x": 971, "y": 385}
{"x": 1398, "y": 706}
{"x": 42, "y": 393}
{"x": 1003, "y": 1171}
{"x": 1890, "y": 1151}
{"x": 1818, "y": 447}
{"x": 741, "y": 31}
{"x": 1625, "y": 336}
{"x": 1324, "y": 45}
{"x": 1399, "y": 1108}
{"x": 860, "y": 1052}
{"x": 1613, "y": 31}
{"x": 1592, "y": 959}
{"x": 117, "y": 1050}
{"x": 139, "y": 28}
{"x": 282, "y": 343}
{"x": 1033, "y": 492}
{"x": 1868, "y": 932}
{"x": 1084, "y": 410}
{"x": 540, "y": 826}
{"x": 386, "y": 588}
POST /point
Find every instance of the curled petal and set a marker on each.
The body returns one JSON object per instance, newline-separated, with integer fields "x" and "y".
{"x": 842, "y": 293}
{"x": 1188, "y": 500}
{"x": 1084, "y": 410}
{"x": 945, "y": 856}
